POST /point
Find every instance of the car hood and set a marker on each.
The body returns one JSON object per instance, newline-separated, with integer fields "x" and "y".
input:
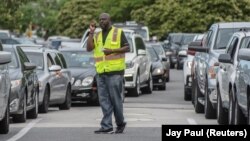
{"x": 15, "y": 74}
{"x": 156, "y": 64}
{"x": 82, "y": 72}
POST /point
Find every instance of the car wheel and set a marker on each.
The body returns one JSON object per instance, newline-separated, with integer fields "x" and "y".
{"x": 135, "y": 91}
{"x": 199, "y": 108}
{"x": 187, "y": 95}
{"x": 4, "y": 123}
{"x": 34, "y": 112}
{"x": 149, "y": 87}
{"x": 210, "y": 112}
{"x": 231, "y": 109}
{"x": 21, "y": 118}
{"x": 239, "y": 118}
{"x": 67, "y": 103}
{"x": 222, "y": 117}
{"x": 45, "y": 104}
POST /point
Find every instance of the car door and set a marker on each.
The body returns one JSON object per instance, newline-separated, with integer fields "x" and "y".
{"x": 143, "y": 60}
{"x": 226, "y": 69}
{"x": 29, "y": 76}
{"x": 3, "y": 89}
{"x": 60, "y": 86}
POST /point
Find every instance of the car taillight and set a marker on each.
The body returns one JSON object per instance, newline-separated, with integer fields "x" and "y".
{"x": 191, "y": 52}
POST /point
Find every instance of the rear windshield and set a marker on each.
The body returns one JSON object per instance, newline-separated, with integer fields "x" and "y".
{"x": 223, "y": 37}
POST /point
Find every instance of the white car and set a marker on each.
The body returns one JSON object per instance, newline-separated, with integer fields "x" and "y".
{"x": 187, "y": 70}
{"x": 138, "y": 75}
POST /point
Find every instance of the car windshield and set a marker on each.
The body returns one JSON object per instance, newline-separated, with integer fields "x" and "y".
{"x": 187, "y": 39}
{"x": 79, "y": 59}
{"x": 153, "y": 56}
{"x": 159, "y": 50}
{"x": 223, "y": 37}
{"x": 4, "y": 35}
{"x": 142, "y": 32}
{"x": 14, "y": 60}
{"x": 36, "y": 58}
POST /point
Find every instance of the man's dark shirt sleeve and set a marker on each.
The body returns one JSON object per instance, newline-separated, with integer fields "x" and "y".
{"x": 124, "y": 41}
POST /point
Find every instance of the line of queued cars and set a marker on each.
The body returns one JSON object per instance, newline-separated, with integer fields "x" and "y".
{"x": 219, "y": 81}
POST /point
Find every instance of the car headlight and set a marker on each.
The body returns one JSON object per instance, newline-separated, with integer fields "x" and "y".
{"x": 78, "y": 83}
{"x": 158, "y": 71}
{"x": 129, "y": 65}
{"x": 87, "y": 81}
{"x": 15, "y": 83}
{"x": 189, "y": 64}
{"x": 72, "y": 80}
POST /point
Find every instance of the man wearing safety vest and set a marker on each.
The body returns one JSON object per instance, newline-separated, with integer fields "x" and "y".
{"x": 109, "y": 46}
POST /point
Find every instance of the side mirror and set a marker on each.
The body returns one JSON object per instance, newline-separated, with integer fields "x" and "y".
{"x": 244, "y": 54}
{"x": 55, "y": 68}
{"x": 196, "y": 46}
{"x": 141, "y": 52}
{"x": 5, "y": 57}
{"x": 29, "y": 66}
{"x": 225, "y": 58}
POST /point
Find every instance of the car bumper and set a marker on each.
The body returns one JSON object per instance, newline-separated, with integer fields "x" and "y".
{"x": 79, "y": 93}
{"x": 158, "y": 80}
{"x": 16, "y": 98}
{"x": 130, "y": 78}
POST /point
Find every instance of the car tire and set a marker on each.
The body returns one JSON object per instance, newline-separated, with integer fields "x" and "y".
{"x": 34, "y": 112}
{"x": 222, "y": 115}
{"x": 4, "y": 123}
{"x": 210, "y": 112}
{"x": 21, "y": 118}
{"x": 149, "y": 88}
{"x": 67, "y": 103}
{"x": 135, "y": 91}
{"x": 199, "y": 108}
{"x": 187, "y": 95}
{"x": 45, "y": 104}
{"x": 239, "y": 118}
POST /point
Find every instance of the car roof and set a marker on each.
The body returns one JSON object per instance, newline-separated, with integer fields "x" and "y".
{"x": 232, "y": 24}
{"x": 73, "y": 49}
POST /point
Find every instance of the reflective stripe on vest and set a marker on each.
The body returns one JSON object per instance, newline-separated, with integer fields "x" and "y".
{"x": 114, "y": 38}
{"x": 110, "y": 57}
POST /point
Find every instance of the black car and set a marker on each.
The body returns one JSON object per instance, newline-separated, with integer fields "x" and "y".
{"x": 158, "y": 69}
{"x": 81, "y": 64}
{"x": 24, "y": 85}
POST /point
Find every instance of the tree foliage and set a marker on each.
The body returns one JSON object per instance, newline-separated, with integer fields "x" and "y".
{"x": 75, "y": 17}
{"x": 190, "y": 16}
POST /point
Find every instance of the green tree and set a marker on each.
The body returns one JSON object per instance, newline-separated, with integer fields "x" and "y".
{"x": 9, "y": 13}
{"x": 166, "y": 16}
{"x": 75, "y": 17}
{"x": 120, "y": 10}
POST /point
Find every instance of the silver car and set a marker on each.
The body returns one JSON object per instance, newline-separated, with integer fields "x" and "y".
{"x": 5, "y": 58}
{"x": 54, "y": 78}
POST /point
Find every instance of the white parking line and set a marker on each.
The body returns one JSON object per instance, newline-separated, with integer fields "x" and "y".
{"x": 24, "y": 130}
{"x": 191, "y": 121}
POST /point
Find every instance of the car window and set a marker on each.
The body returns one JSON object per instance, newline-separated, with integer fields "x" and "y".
{"x": 14, "y": 61}
{"x": 245, "y": 43}
{"x": 50, "y": 61}
{"x": 153, "y": 55}
{"x": 56, "y": 59}
{"x": 139, "y": 44}
{"x": 62, "y": 60}
{"x": 159, "y": 50}
{"x": 209, "y": 38}
{"x": 79, "y": 59}
{"x": 22, "y": 55}
{"x": 36, "y": 58}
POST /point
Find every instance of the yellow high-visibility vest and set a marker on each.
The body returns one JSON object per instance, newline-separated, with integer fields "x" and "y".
{"x": 113, "y": 62}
